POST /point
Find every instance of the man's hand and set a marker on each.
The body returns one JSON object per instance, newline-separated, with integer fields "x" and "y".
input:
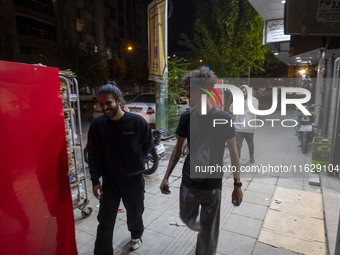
{"x": 97, "y": 191}
{"x": 237, "y": 196}
{"x": 165, "y": 187}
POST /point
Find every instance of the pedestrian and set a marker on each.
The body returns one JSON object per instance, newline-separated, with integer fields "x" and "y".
{"x": 200, "y": 198}
{"x": 118, "y": 142}
{"x": 244, "y": 130}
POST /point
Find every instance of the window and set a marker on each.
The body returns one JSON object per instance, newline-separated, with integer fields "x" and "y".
{"x": 43, "y": 6}
{"x": 109, "y": 53}
{"x": 145, "y": 98}
{"x": 36, "y": 29}
{"x": 80, "y": 25}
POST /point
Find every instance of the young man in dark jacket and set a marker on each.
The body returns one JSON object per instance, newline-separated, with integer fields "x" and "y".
{"x": 118, "y": 142}
{"x": 200, "y": 194}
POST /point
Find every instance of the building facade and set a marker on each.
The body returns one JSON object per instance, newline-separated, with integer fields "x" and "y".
{"x": 33, "y": 28}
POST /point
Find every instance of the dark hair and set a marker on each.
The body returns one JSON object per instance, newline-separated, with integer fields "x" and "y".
{"x": 208, "y": 77}
{"x": 110, "y": 88}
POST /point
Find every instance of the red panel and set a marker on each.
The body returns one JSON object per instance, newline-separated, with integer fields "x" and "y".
{"x": 36, "y": 214}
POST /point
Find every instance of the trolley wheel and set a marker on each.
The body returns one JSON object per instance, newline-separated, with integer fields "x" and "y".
{"x": 86, "y": 212}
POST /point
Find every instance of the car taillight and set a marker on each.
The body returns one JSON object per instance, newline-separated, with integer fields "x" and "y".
{"x": 94, "y": 107}
{"x": 150, "y": 111}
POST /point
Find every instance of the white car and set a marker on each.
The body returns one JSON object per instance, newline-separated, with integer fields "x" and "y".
{"x": 145, "y": 106}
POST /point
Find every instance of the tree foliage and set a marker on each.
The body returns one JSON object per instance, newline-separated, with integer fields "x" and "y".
{"x": 177, "y": 69}
{"x": 227, "y": 36}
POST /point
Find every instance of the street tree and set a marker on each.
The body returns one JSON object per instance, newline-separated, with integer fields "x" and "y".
{"x": 177, "y": 67}
{"x": 227, "y": 36}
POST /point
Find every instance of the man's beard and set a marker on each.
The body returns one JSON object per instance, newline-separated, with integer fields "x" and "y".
{"x": 112, "y": 113}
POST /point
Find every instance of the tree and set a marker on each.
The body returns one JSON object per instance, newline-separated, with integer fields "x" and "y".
{"x": 227, "y": 36}
{"x": 177, "y": 69}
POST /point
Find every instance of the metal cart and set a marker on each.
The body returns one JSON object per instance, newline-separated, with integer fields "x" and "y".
{"x": 76, "y": 165}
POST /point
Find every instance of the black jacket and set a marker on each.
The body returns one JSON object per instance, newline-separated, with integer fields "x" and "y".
{"x": 117, "y": 149}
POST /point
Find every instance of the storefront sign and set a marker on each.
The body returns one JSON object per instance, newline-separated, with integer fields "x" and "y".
{"x": 274, "y": 31}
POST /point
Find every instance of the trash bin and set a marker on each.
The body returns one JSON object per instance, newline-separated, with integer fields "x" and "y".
{"x": 321, "y": 151}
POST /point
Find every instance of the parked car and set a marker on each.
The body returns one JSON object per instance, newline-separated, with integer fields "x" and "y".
{"x": 129, "y": 97}
{"x": 145, "y": 106}
{"x": 87, "y": 94}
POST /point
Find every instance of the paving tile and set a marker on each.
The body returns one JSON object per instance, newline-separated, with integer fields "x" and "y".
{"x": 88, "y": 225}
{"x": 265, "y": 179}
{"x": 235, "y": 244}
{"x": 159, "y": 203}
{"x": 161, "y": 225}
{"x": 295, "y": 183}
{"x": 251, "y": 210}
{"x": 261, "y": 187}
{"x": 82, "y": 238}
{"x": 176, "y": 183}
{"x": 153, "y": 243}
{"x": 183, "y": 243}
{"x": 300, "y": 226}
{"x": 88, "y": 248}
{"x": 149, "y": 216}
{"x": 152, "y": 187}
{"x": 257, "y": 197}
{"x": 262, "y": 249}
{"x": 296, "y": 223}
{"x": 292, "y": 244}
{"x": 174, "y": 193}
{"x": 174, "y": 209}
{"x": 298, "y": 202}
{"x": 243, "y": 225}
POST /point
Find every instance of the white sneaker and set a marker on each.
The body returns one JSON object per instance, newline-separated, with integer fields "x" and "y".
{"x": 135, "y": 244}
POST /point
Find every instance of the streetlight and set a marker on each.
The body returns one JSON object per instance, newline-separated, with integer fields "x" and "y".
{"x": 302, "y": 71}
{"x": 129, "y": 48}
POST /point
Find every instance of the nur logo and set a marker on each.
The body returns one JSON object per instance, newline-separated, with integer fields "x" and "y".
{"x": 238, "y": 99}
{"x": 204, "y": 97}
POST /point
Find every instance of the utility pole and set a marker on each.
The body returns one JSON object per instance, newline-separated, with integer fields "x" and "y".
{"x": 158, "y": 60}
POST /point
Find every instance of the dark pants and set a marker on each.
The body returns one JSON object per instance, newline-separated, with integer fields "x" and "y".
{"x": 249, "y": 139}
{"x": 209, "y": 217}
{"x": 131, "y": 191}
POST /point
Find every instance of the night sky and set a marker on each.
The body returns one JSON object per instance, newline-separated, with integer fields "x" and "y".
{"x": 181, "y": 21}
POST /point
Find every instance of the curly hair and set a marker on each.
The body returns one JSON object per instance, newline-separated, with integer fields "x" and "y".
{"x": 207, "y": 76}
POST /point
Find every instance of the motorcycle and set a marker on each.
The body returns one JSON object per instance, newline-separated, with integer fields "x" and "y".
{"x": 156, "y": 153}
{"x": 305, "y": 129}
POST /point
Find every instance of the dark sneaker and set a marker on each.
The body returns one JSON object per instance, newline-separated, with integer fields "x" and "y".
{"x": 252, "y": 160}
{"x": 135, "y": 244}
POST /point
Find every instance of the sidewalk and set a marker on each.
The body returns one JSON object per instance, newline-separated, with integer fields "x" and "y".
{"x": 280, "y": 213}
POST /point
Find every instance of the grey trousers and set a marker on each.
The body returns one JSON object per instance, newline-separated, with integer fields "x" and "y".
{"x": 200, "y": 211}
{"x": 249, "y": 139}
